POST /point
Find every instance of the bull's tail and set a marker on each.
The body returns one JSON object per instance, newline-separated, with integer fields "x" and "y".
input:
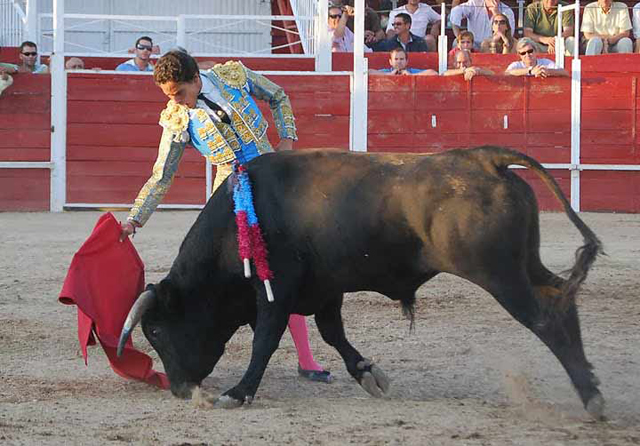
{"x": 501, "y": 159}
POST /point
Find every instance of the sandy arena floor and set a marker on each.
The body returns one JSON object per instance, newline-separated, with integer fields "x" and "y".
{"x": 468, "y": 375}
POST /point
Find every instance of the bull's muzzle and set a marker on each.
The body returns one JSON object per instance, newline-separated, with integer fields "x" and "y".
{"x": 146, "y": 300}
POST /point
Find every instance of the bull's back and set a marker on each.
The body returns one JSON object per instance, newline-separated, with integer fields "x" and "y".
{"x": 359, "y": 215}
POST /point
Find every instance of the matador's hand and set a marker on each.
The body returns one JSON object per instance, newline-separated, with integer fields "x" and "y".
{"x": 126, "y": 229}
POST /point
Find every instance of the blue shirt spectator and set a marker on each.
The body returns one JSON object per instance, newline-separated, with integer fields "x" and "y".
{"x": 398, "y": 61}
{"x": 142, "y": 61}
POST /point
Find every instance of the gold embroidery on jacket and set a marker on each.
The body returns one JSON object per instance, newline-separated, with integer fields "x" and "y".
{"x": 175, "y": 117}
{"x": 232, "y": 73}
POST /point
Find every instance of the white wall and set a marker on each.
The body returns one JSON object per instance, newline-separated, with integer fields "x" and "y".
{"x": 11, "y": 32}
{"x": 232, "y": 36}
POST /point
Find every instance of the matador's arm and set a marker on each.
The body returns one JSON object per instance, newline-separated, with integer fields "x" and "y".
{"x": 262, "y": 88}
{"x": 169, "y": 156}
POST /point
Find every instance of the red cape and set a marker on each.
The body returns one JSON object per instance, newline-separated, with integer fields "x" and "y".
{"x": 104, "y": 279}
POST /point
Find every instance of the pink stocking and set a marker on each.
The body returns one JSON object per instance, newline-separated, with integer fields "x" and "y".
{"x": 300, "y": 335}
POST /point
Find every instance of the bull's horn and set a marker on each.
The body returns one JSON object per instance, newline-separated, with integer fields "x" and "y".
{"x": 140, "y": 306}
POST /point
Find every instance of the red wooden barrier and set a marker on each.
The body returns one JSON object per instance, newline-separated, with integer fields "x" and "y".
{"x": 25, "y": 134}
{"x": 434, "y": 114}
{"x": 113, "y": 133}
{"x": 610, "y": 136}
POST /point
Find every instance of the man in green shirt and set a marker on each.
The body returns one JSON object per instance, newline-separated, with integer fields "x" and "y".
{"x": 541, "y": 26}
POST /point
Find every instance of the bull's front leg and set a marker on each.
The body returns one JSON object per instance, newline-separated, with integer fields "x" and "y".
{"x": 369, "y": 376}
{"x": 271, "y": 322}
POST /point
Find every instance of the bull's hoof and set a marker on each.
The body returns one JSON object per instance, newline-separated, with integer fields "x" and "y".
{"x": 373, "y": 379}
{"x": 595, "y": 407}
{"x": 227, "y": 402}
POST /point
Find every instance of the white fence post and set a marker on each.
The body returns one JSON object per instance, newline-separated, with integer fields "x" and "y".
{"x": 58, "y": 194}
{"x": 360, "y": 85}
{"x": 576, "y": 104}
{"x": 442, "y": 41}
{"x": 323, "y": 41}
{"x": 181, "y": 32}
{"x": 31, "y": 22}
{"x": 559, "y": 40}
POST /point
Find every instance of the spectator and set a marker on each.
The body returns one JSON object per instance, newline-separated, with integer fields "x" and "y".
{"x": 7, "y": 68}
{"x": 373, "y": 32}
{"x": 74, "y": 63}
{"x": 464, "y": 66}
{"x": 530, "y": 65}
{"x": 636, "y": 26}
{"x": 403, "y": 38}
{"x": 341, "y": 36}
{"x": 398, "y": 60}
{"x": 541, "y": 26}
{"x": 502, "y": 41}
{"x": 422, "y": 15}
{"x": 463, "y": 42}
{"x": 5, "y": 79}
{"x": 28, "y": 58}
{"x": 479, "y": 14}
{"x": 142, "y": 61}
{"x": 606, "y": 26}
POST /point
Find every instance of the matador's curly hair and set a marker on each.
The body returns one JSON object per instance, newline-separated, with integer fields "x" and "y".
{"x": 176, "y": 66}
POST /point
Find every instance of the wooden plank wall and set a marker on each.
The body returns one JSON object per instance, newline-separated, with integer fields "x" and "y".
{"x": 435, "y": 114}
{"x": 113, "y": 133}
{"x": 25, "y": 134}
{"x": 609, "y": 136}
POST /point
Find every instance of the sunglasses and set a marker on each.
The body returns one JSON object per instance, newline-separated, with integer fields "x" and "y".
{"x": 144, "y": 47}
{"x": 396, "y": 24}
{"x": 524, "y": 53}
{"x": 35, "y": 53}
{"x": 335, "y": 16}
{"x": 499, "y": 22}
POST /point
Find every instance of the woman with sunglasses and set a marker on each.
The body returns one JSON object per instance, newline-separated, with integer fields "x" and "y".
{"x": 529, "y": 63}
{"x": 502, "y": 41}
{"x": 342, "y": 38}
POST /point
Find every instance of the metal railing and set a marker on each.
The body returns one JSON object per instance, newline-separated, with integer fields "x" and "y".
{"x": 306, "y": 29}
{"x": 12, "y": 21}
{"x": 203, "y": 35}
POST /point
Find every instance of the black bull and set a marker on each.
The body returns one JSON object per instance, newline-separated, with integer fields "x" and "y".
{"x": 340, "y": 222}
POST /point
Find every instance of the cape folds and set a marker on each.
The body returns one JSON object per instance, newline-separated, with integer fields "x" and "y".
{"x": 104, "y": 279}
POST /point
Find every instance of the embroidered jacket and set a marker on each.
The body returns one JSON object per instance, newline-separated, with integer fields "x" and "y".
{"x": 243, "y": 139}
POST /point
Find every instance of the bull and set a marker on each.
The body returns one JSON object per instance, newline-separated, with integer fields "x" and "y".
{"x": 339, "y": 222}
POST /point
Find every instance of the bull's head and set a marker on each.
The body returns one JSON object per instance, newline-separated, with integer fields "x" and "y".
{"x": 184, "y": 335}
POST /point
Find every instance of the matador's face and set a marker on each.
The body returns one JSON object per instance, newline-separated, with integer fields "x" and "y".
{"x": 183, "y": 93}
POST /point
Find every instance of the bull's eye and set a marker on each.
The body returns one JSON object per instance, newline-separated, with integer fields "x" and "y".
{"x": 155, "y": 332}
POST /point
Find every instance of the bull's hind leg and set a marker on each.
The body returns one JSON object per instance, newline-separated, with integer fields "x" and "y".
{"x": 329, "y": 322}
{"x": 560, "y": 331}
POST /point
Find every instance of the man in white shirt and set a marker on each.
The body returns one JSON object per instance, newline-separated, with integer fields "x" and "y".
{"x": 606, "y": 27}
{"x": 479, "y": 14}
{"x": 422, "y": 15}
{"x": 530, "y": 65}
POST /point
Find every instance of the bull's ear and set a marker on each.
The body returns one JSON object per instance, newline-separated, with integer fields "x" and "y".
{"x": 169, "y": 296}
